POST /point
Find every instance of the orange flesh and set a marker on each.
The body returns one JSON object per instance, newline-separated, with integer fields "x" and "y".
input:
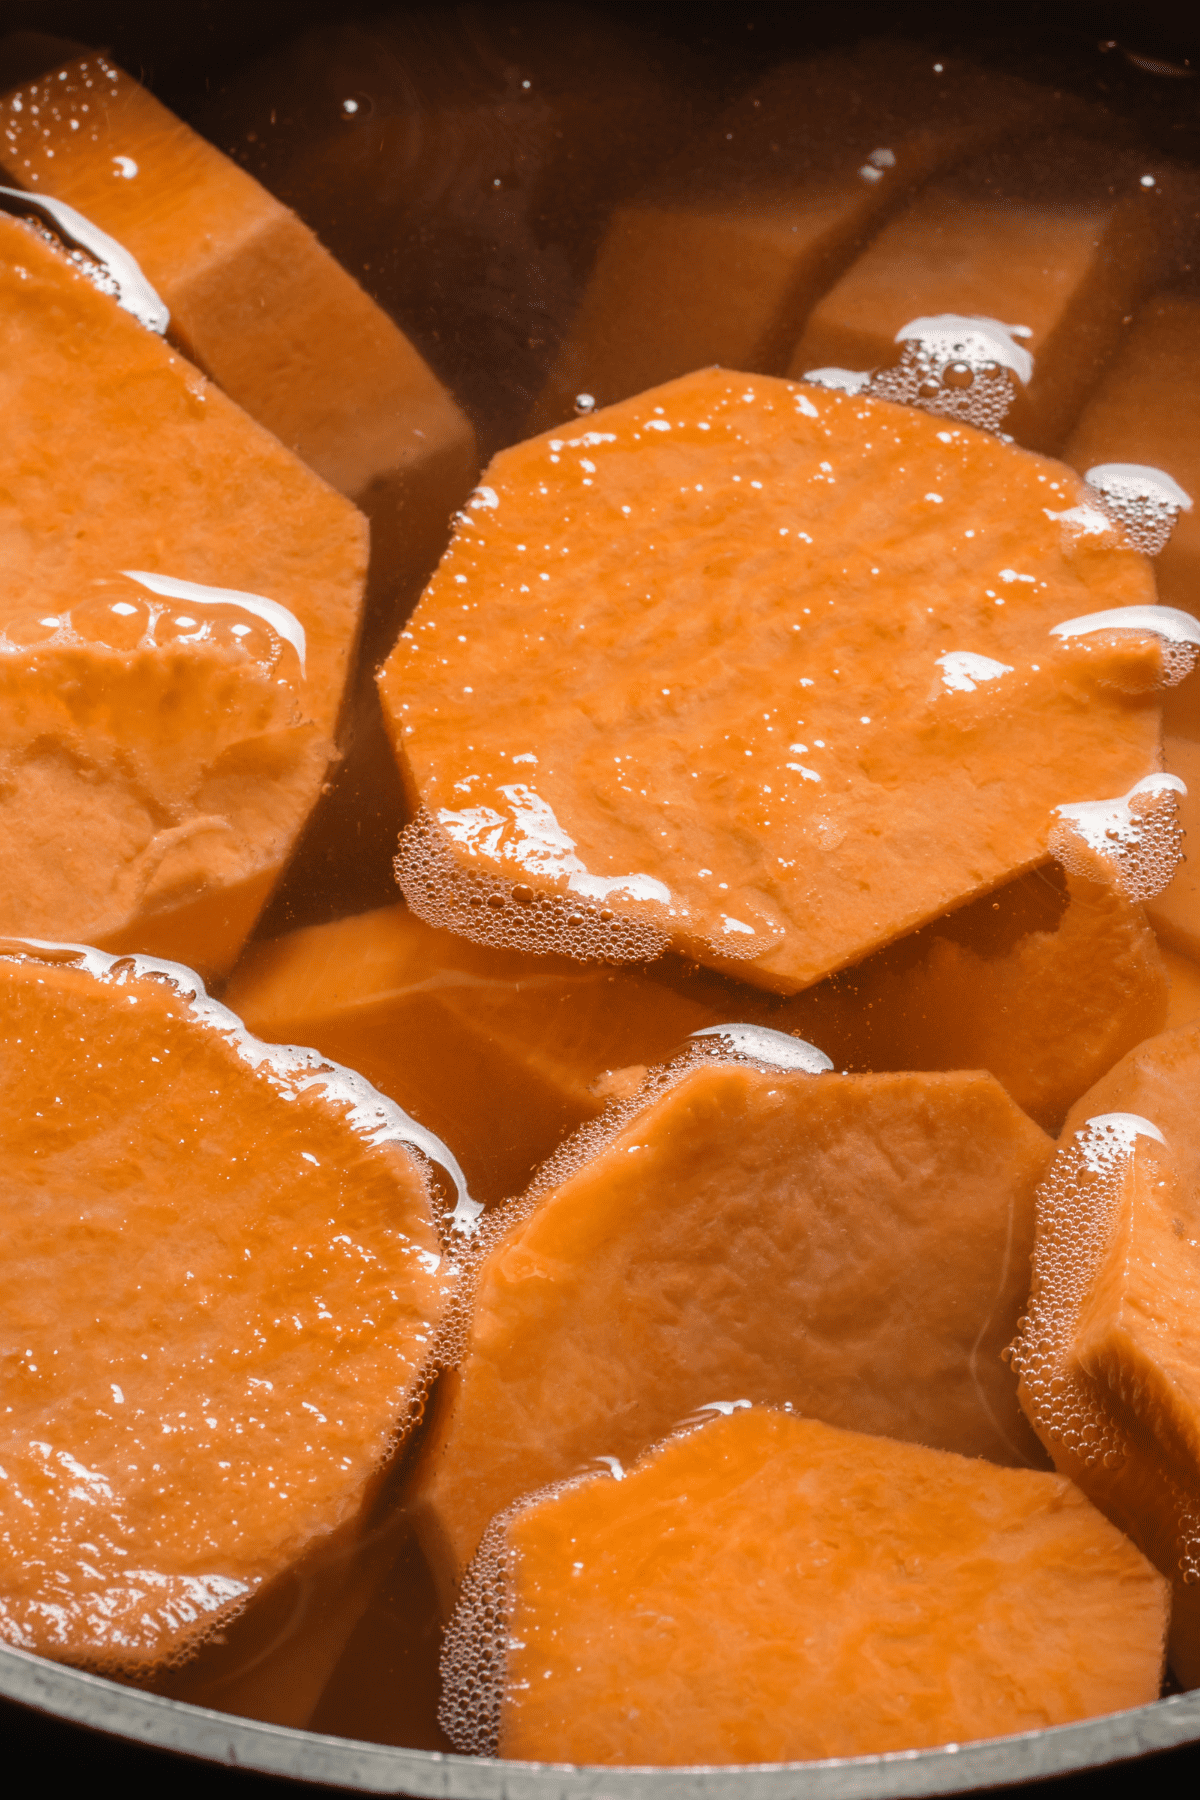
{"x": 254, "y": 298}
{"x": 510, "y": 1047}
{"x": 1047, "y": 1015}
{"x": 577, "y": 624}
{"x": 743, "y": 231}
{"x": 766, "y": 1589}
{"x": 151, "y": 795}
{"x": 1175, "y": 913}
{"x": 1113, "y": 1385}
{"x": 1066, "y": 266}
{"x": 855, "y": 1246}
{"x": 220, "y": 1291}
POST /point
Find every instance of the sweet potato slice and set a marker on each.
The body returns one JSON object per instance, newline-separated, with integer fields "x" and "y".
{"x": 1054, "y": 239}
{"x": 1047, "y": 1013}
{"x": 1109, "y": 1356}
{"x": 744, "y": 229}
{"x": 500, "y": 1054}
{"x": 780, "y": 664}
{"x": 855, "y": 1246}
{"x": 254, "y": 299}
{"x": 159, "y": 755}
{"x": 221, "y": 1287}
{"x": 768, "y": 1589}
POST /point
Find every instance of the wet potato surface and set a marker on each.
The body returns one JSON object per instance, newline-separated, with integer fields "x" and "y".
{"x": 733, "y": 818}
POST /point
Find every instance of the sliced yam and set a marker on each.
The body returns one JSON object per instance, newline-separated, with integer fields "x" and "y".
{"x": 569, "y": 715}
{"x": 744, "y": 230}
{"x": 496, "y": 1052}
{"x": 254, "y": 299}
{"x": 853, "y": 1245}
{"x": 160, "y": 754}
{"x": 1183, "y": 1004}
{"x": 221, "y": 1287}
{"x": 1051, "y": 239}
{"x": 1144, "y": 412}
{"x": 491, "y": 155}
{"x": 1109, "y": 1355}
{"x": 1047, "y": 1013}
{"x": 1175, "y": 913}
{"x": 766, "y": 1589}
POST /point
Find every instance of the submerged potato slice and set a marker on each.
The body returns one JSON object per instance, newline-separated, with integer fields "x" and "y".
{"x": 767, "y": 1589}
{"x": 497, "y": 1052}
{"x": 856, "y": 1246}
{"x": 1109, "y": 1356}
{"x": 738, "y": 234}
{"x": 220, "y": 1288}
{"x": 1050, "y": 237}
{"x": 255, "y": 300}
{"x": 158, "y": 757}
{"x": 762, "y": 671}
{"x": 1047, "y": 1013}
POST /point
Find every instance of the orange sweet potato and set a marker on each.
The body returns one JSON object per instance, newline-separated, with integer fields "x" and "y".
{"x": 766, "y": 1589}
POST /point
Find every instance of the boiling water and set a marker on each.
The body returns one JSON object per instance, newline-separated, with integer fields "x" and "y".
{"x": 463, "y": 165}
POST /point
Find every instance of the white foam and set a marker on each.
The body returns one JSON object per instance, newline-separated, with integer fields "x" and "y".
{"x": 845, "y": 381}
{"x": 962, "y": 670}
{"x": 1137, "y": 835}
{"x": 1145, "y": 501}
{"x": 971, "y": 338}
{"x": 487, "y": 906}
{"x": 1179, "y": 631}
{"x": 767, "y": 1048}
{"x": 133, "y": 291}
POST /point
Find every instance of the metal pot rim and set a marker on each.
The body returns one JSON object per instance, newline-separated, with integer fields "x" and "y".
{"x": 79, "y": 1698}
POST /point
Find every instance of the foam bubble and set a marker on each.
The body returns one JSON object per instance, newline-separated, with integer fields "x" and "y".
{"x": 952, "y": 365}
{"x": 844, "y": 381}
{"x": 1146, "y": 501}
{"x": 1137, "y": 836}
{"x": 1077, "y": 1211}
{"x": 488, "y": 907}
{"x": 765, "y": 1048}
{"x": 963, "y": 670}
{"x": 129, "y": 286}
{"x": 1179, "y": 632}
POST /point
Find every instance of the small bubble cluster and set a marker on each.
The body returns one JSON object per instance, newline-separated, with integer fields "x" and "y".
{"x": 1137, "y": 839}
{"x": 974, "y": 392}
{"x": 97, "y": 273}
{"x": 489, "y": 908}
{"x": 1144, "y": 501}
{"x": 474, "y": 1656}
{"x": 1077, "y": 1209}
{"x": 951, "y": 365}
